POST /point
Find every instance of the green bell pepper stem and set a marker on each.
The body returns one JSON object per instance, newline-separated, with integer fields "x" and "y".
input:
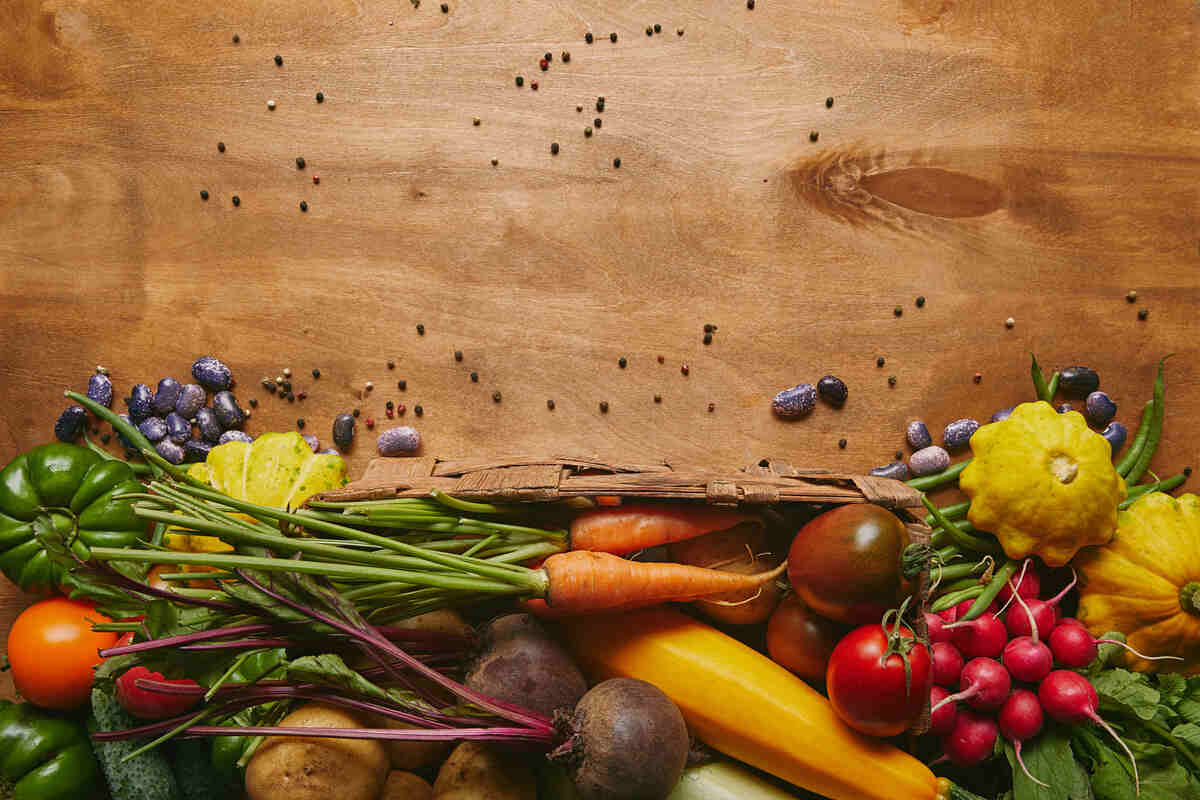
{"x": 952, "y": 599}
{"x": 1156, "y": 424}
{"x": 953, "y": 511}
{"x": 1139, "y": 441}
{"x": 927, "y": 483}
{"x": 999, "y": 580}
{"x": 1165, "y": 485}
{"x": 534, "y": 582}
{"x": 957, "y": 535}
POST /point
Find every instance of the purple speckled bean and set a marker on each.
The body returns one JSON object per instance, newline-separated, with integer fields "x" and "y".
{"x": 1002, "y": 414}
{"x": 918, "y": 435}
{"x": 179, "y": 430}
{"x": 139, "y": 402}
{"x": 1064, "y": 408}
{"x": 896, "y": 469}
{"x": 1100, "y": 408}
{"x": 958, "y": 433}
{"x": 833, "y": 390}
{"x": 191, "y": 399}
{"x": 796, "y": 401}
{"x": 153, "y": 428}
{"x": 212, "y": 374}
{"x": 70, "y": 424}
{"x": 343, "y": 430}
{"x": 170, "y": 451}
{"x": 235, "y": 436}
{"x": 312, "y": 441}
{"x": 207, "y": 422}
{"x": 228, "y": 412}
{"x": 928, "y": 460}
{"x": 195, "y": 450}
{"x": 1115, "y": 433}
{"x": 398, "y": 441}
{"x": 1078, "y": 382}
{"x": 165, "y": 396}
{"x": 100, "y": 389}
{"x": 328, "y": 451}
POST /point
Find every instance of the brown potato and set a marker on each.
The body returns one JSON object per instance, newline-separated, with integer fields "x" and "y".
{"x": 296, "y": 768}
{"x": 475, "y": 771}
{"x": 408, "y": 755}
{"x": 445, "y": 620}
{"x": 741, "y": 549}
{"x": 406, "y": 786}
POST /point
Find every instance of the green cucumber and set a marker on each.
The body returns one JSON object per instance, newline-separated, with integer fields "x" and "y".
{"x": 145, "y": 777}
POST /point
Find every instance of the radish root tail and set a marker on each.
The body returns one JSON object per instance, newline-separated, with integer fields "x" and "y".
{"x": 1021, "y": 762}
{"x": 1137, "y": 783}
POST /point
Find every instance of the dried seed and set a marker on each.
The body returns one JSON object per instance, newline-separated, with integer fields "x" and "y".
{"x": 496, "y": 397}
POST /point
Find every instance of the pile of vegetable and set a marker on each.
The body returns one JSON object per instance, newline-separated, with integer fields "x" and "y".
{"x": 227, "y": 632}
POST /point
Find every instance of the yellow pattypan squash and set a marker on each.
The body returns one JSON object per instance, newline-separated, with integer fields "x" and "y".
{"x": 276, "y": 469}
{"x": 1043, "y": 483}
{"x": 1145, "y": 583}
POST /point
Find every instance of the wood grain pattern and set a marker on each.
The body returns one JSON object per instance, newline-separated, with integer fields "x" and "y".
{"x": 1034, "y": 159}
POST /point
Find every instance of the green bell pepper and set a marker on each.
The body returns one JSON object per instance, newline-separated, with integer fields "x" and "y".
{"x": 74, "y": 489}
{"x": 45, "y": 757}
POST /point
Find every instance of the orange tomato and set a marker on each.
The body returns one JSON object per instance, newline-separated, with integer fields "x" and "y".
{"x": 53, "y": 650}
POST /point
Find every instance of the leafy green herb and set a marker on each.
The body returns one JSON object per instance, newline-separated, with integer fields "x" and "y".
{"x": 1128, "y": 691}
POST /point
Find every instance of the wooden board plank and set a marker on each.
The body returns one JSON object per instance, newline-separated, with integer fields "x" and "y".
{"x": 1029, "y": 159}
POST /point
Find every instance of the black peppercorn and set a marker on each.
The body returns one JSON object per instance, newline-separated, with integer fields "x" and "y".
{"x": 418, "y": 410}
{"x": 356, "y": 412}
{"x": 600, "y": 104}
{"x": 237, "y": 201}
{"x": 300, "y": 163}
{"x": 520, "y": 81}
{"x": 279, "y": 61}
{"x": 603, "y": 406}
{"x": 879, "y": 361}
{"x": 420, "y": 329}
{"x": 300, "y": 423}
{"x": 813, "y": 136}
{"x": 658, "y": 398}
{"x": 920, "y": 301}
{"x": 842, "y": 444}
{"x": 236, "y": 38}
{"x": 649, "y": 30}
{"x": 220, "y": 147}
{"x": 891, "y": 380}
{"x": 712, "y": 407}
{"x": 445, "y": 8}
{"x": 320, "y": 97}
{"x": 598, "y": 122}
{"x": 750, "y": 4}
{"x": 657, "y": 28}
{"x": 554, "y": 148}
{"x": 458, "y": 355}
{"x": 402, "y": 385}
{"x": 616, "y": 163}
{"x": 709, "y": 327}
{"x": 566, "y": 57}
{"x": 204, "y": 194}
{"x": 316, "y": 373}
{"x": 587, "y": 37}
{"x": 612, "y": 37}
{"x": 587, "y": 131}
{"x": 548, "y": 56}
{"x": 622, "y": 363}
{"x": 1143, "y": 313}
{"x": 829, "y": 102}
{"x": 550, "y": 404}
{"x": 291, "y": 398}
{"x": 495, "y": 397}
{"x": 474, "y": 377}
{"x": 303, "y": 206}
{"x": 898, "y": 311}
{"x": 286, "y": 386}
{"x": 708, "y": 338}
{"x": 389, "y": 405}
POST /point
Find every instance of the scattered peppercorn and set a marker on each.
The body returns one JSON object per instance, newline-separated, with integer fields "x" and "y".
{"x": 316, "y": 373}
{"x": 842, "y": 444}
{"x": 291, "y": 398}
{"x": 750, "y": 4}
{"x": 891, "y": 380}
{"x": 391, "y": 364}
{"x": 458, "y": 355}
{"x": 548, "y": 56}
{"x": 829, "y": 102}
{"x": 402, "y": 385}
{"x": 420, "y": 329}
{"x": 204, "y": 194}
{"x": 662, "y": 360}
{"x": 356, "y": 412}
{"x": 278, "y": 61}
{"x": 369, "y": 386}
{"x": 389, "y": 405}
{"x": 495, "y": 162}
{"x": 898, "y": 311}
{"x": 566, "y": 56}
{"x": 445, "y": 8}
{"x": 220, "y": 147}
{"x": 554, "y": 148}
{"x": 544, "y": 64}
{"x": 600, "y": 104}
{"x": 300, "y": 423}
{"x": 587, "y": 37}
{"x": 279, "y": 380}
{"x": 236, "y": 38}
{"x": 879, "y": 361}
{"x": 657, "y": 28}
{"x": 303, "y": 205}
{"x": 616, "y": 163}
{"x": 474, "y": 377}
{"x": 495, "y": 397}
{"x": 622, "y": 362}
{"x": 899, "y": 455}
{"x": 649, "y": 30}
{"x": 684, "y": 369}
{"x": 1010, "y": 322}
{"x": 389, "y": 413}
{"x": 320, "y": 97}
{"x": 978, "y": 378}
{"x": 286, "y": 386}
{"x": 476, "y": 121}
{"x": 579, "y": 109}
{"x": 287, "y": 372}
{"x": 920, "y": 301}
{"x": 533, "y": 85}
{"x": 679, "y": 31}
{"x": 370, "y": 422}
{"x": 1143, "y": 313}
{"x": 658, "y": 398}
{"x": 712, "y": 407}
{"x": 270, "y": 105}
{"x": 708, "y": 338}
{"x": 598, "y": 122}
{"x": 300, "y": 162}
{"x": 612, "y": 37}
{"x": 1131, "y": 296}
{"x": 813, "y": 136}
{"x": 520, "y": 81}
{"x": 237, "y": 201}
{"x": 587, "y": 131}
{"x": 316, "y": 178}
{"x": 400, "y": 409}
{"x": 603, "y": 406}
{"x": 550, "y": 404}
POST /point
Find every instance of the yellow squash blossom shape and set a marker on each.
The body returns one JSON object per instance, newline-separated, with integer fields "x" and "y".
{"x": 1043, "y": 483}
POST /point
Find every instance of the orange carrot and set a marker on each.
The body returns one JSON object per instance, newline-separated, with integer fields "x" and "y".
{"x": 628, "y": 528}
{"x": 581, "y": 581}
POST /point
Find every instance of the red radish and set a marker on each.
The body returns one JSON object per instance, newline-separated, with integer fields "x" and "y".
{"x": 984, "y": 685}
{"x": 942, "y": 721}
{"x": 1070, "y": 698}
{"x": 1073, "y": 646}
{"x": 150, "y": 704}
{"x": 1027, "y": 660}
{"x": 983, "y": 637}
{"x": 937, "y": 628}
{"x": 972, "y": 740}
{"x": 1028, "y": 586}
{"x": 947, "y": 664}
{"x": 949, "y": 614}
{"x": 1020, "y": 719}
{"x": 1042, "y": 613}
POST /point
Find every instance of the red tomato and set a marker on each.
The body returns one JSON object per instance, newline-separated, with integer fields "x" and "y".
{"x": 799, "y": 639}
{"x": 53, "y": 650}
{"x": 870, "y": 694}
{"x": 147, "y": 704}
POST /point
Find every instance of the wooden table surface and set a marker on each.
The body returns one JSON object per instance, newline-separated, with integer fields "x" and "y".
{"x": 1026, "y": 159}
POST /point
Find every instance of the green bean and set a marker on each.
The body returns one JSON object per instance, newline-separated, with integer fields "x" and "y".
{"x": 951, "y": 511}
{"x": 952, "y": 599}
{"x": 1156, "y": 423}
{"x": 960, "y": 583}
{"x": 960, "y": 537}
{"x": 1139, "y": 441}
{"x": 950, "y": 573}
{"x": 999, "y": 579}
{"x": 1052, "y": 385}
{"x": 1164, "y": 485}
{"x": 948, "y": 553}
{"x": 927, "y": 483}
{"x": 1039, "y": 381}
